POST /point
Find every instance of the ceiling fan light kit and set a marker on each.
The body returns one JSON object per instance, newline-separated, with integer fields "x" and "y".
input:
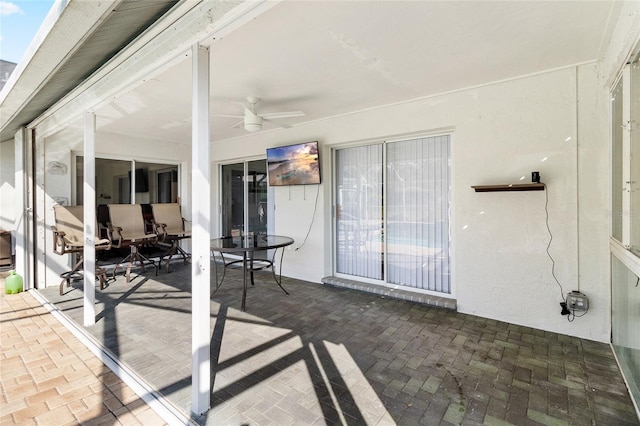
{"x": 252, "y": 122}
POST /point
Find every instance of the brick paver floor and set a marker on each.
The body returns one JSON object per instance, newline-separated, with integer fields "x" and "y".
{"x": 47, "y": 376}
{"x": 330, "y": 356}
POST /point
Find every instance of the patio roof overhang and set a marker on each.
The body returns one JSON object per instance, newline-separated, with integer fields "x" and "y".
{"x": 76, "y": 39}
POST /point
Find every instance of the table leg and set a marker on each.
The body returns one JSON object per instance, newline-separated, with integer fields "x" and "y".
{"x": 273, "y": 270}
{"x": 215, "y": 269}
{"x": 244, "y": 280}
{"x": 251, "y": 269}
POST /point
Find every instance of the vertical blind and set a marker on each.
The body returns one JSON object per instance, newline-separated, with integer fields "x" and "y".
{"x": 417, "y": 197}
{"x": 415, "y": 177}
{"x": 359, "y": 175}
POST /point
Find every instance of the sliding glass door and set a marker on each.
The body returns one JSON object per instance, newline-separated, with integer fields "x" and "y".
{"x": 126, "y": 181}
{"x": 359, "y": 224}
{"x": 244, "y": 198}
{"x": 392, "y": 213}
{"x": 417, "y": 206}
{"x": 625, "y": 223}
{"x": 625, "y": 320}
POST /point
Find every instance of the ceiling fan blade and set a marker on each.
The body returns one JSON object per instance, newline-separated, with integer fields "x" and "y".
{"x": 281, "y": 125}
{"x": 242, "y": 104}
{"x": 288, "y": 114}
{"x": 238, "y": 124}
{"x": 227, "y": 115}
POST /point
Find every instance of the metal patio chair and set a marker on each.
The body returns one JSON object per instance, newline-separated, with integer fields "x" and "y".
{"x": 170, "y": 228}
{"x": 68, "y": 238}
{"x": 127, "y": 228}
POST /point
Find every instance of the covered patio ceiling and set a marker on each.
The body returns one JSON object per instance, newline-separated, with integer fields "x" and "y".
{"x": 336, "y": 58}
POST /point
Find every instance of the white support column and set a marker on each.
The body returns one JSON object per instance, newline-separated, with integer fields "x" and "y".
{"x": 38, "y": 209}
{"x": 201, "y": 233}
{"x": 627, "y": 184}
{"x": 89, "y": 196}
{"x": 21, "y": 226}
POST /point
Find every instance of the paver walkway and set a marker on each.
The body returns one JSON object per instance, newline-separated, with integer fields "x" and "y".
{"x": 324, "y": 355}
{"x": 48, "y": 377}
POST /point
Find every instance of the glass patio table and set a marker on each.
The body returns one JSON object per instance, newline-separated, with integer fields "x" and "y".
{"x": 247, "y": 247}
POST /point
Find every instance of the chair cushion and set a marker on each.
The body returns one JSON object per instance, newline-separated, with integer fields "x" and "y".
{"x": 129, "y": 218}
{"x": 69, "y": 219}
{"x": 169, "y": 214}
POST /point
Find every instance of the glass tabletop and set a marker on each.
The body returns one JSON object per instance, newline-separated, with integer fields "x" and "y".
{"x": 250, "y": 243}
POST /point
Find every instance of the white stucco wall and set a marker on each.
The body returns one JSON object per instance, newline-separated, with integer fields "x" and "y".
{"x": 554, "y": 123}
{"x": 501, "y": 133}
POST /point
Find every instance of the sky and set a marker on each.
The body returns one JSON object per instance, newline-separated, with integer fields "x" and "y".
{"x": 19, "y": 22}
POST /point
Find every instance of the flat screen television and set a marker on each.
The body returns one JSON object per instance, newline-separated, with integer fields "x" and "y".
{"x": 297, "y": 164}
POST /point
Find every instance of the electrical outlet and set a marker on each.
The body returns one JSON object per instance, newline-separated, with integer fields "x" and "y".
{"x": 577, "y": 301}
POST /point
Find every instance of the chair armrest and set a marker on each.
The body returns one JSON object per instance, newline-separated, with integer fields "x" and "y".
{"x": 149, "y": 224}
{"x": 161, "y": 230}
{"x": 106, "y": 246}
{"x": 114, "y": 233}
{"x": 101, "y": 228}
{"x": 58, "y": 241}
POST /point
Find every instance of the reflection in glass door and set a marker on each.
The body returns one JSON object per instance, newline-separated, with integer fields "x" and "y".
{"x": 244, "y": 198}
{"x": 625, "y": 224}
{"x": 116, "y": 184}
{"x": 257, "y": 185}
{"x": 167, "y": 186}
{"x": 153, "y": 183}
{"x": 625, "y": 317}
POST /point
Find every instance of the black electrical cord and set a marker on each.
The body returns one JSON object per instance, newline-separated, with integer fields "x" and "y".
{"x": 312, "y": 219}
{"x": 573, "y": 315}
{"x": 553, "y": 262}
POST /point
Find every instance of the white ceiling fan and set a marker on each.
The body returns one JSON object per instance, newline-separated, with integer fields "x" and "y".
{"x": 252, "y": 121}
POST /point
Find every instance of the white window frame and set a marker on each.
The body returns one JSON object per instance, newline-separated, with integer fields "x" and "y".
{"x": 383, "y": 283}
{"x": 628, "y": 185}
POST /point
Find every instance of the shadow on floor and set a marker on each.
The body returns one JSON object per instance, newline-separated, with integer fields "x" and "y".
{"x": 325, "y": 355}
